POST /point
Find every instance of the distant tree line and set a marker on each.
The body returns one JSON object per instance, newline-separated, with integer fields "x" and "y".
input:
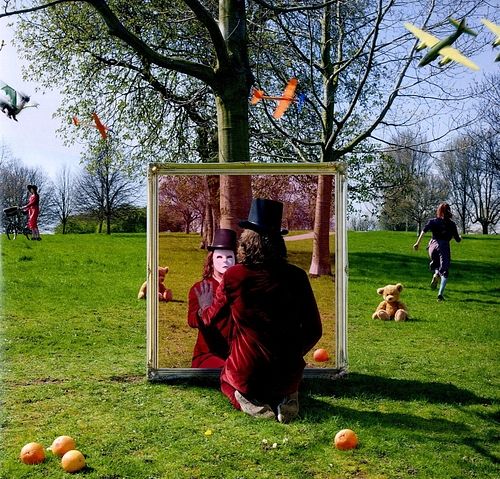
{"x": 467, "y": 176}
{"x": 99, "y": 198}
{"x": 412, "y": 180}
{"x": 102, "y": 198}
{"x": 190, "y": 203}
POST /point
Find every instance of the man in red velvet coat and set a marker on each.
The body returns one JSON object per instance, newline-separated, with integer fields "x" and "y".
{"x": 274, "y": 314}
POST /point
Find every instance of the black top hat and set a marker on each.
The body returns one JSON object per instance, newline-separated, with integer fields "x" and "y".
{"x": 265, "y": 217}
{"x": 223, "y": 239}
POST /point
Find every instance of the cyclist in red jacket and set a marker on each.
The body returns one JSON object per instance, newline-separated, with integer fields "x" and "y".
{"x": 33, "y": 209}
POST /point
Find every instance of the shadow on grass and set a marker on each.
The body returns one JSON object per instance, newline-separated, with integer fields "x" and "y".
{"x": 485, "y": 292}
{"x": 482, "y": 238}
{"x": 377, "y": 387}
{"x": 364, "y": 385}
{"x": 208, "y": 382}
{"x": 355, "y": 385}
{"x": 367, "y": 265}
{"x": 374, "y": 264}
{"x": 316, "y": 411}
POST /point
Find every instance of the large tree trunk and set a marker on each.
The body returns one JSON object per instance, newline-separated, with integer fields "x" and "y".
{"x": 235, "y": 191}
{"x": 234, "y": 80}
{"x": 208, "y": 151}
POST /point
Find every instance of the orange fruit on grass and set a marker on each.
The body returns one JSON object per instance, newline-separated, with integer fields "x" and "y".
{"x": 73, "y": 461}
{"x": 32, "y": 453}
{"x": 62, "y": 445}
{"x": 346, "y": 439}
{"x": 321, "y": 355}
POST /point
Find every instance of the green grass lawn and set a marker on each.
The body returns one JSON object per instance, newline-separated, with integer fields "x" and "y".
{"x": 421, "y": 395}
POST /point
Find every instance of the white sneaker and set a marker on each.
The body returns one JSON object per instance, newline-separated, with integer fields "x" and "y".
{"x": 254, "y": 409}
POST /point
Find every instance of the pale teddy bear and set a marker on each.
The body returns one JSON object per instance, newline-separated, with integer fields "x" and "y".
{"x": 164, "y": 293}
{"x": 391, "y": 307}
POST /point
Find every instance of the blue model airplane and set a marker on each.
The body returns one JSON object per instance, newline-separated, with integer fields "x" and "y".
{"x": 442, "y": 47}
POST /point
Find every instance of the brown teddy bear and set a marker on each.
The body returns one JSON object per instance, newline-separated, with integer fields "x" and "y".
{"x": 164, "y": 293}
{"x": 391, "y": 307}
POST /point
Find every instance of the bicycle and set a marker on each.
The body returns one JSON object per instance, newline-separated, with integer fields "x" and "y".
{"x": 15, "y": 223}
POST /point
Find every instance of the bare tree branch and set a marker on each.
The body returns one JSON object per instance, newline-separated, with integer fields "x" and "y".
{"x": 32, "y": 9}
{"x": 304, "y": 7}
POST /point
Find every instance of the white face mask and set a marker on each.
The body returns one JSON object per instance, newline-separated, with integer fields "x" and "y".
{"x": 222, "y": 260}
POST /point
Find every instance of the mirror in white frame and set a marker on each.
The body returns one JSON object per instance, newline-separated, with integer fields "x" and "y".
{"x": 176, "y": 193}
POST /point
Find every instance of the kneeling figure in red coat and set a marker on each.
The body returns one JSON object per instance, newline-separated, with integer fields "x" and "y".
{"x": 275, "y": 318}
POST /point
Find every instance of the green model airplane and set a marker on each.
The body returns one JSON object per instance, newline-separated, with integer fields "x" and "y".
{"x": 496, "y": 31}
{"x": 442, "y": 47}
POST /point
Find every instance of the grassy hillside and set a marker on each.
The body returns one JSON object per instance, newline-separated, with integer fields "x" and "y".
{"x": 421, "y": 395}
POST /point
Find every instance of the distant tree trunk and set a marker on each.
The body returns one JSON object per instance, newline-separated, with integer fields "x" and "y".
{"x": 206, "y": 227}
{"x": 107, "y": 206}
{"x": 320, "y": 263}
{"x": 485, "y": 227}
{"x": 63, "y": 196}
{"x": 235, "y": 199}
{"x": 212, "y": 210}
{"x": 463, "y": 219}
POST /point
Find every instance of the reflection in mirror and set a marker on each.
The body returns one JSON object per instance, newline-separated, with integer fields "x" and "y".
{"x": 188, "y": 215}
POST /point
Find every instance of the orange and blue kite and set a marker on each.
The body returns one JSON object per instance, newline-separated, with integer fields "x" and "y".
{"x": 284, "y": 101}
{"x": 97, "y": 123}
